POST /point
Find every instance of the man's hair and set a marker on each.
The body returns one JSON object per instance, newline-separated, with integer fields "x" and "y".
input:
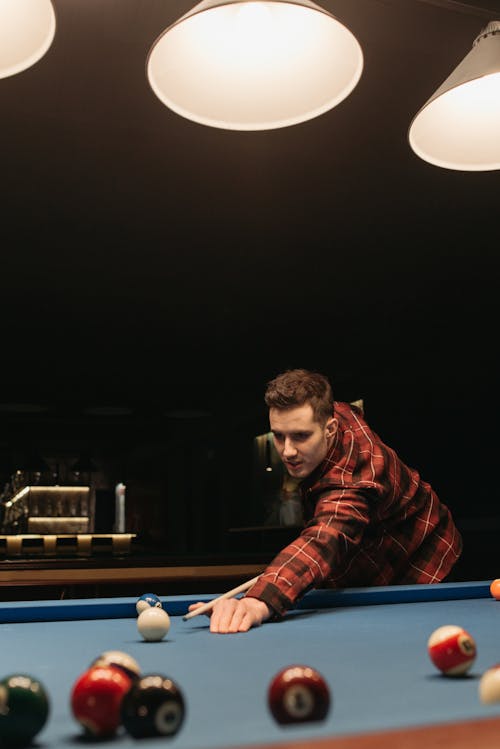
{"x": 296, "y": 387}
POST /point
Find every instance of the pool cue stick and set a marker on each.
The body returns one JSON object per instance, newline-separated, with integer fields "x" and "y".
{"x": 230, "y": 594}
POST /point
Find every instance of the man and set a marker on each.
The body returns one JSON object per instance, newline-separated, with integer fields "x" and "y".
{"x": 370, "y": 519}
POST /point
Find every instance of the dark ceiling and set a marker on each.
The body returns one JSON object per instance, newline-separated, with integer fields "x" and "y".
{"x": 151, "y": 261}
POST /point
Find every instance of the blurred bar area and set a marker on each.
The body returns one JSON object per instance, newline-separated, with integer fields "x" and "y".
{"x": 40, "y": 516}
{"x": 48, "y": 509}
{"x": 103, "y": 501}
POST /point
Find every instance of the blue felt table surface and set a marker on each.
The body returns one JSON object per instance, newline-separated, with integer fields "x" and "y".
{"x": 373, "y": 657}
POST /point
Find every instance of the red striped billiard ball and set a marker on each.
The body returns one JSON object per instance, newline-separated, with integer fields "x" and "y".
{"x": 298, "y": 694}
{"x": 96, "y": 699}
{"x": 452, "y": 650}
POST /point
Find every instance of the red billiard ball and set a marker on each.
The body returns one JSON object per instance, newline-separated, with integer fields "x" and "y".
{"x": 452, "y": 650}
{"x": 96, "y": 699}
{"x": 298, "y": 694}
{"x": 495, "y": 589}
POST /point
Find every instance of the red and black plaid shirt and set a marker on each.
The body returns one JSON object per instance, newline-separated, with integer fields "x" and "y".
{"x": 370, "y": 520}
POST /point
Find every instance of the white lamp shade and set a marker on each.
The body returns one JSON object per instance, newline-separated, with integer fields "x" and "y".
{"x": 459, "y": 126}
{"x": 254, "y": 65}
{"x": 27, "y": 28}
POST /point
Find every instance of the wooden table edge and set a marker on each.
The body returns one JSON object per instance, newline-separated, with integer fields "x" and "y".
{"x": 127, "y": 574}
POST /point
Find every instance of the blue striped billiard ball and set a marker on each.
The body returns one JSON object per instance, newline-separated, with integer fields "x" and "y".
{"x": 147, "y": 600}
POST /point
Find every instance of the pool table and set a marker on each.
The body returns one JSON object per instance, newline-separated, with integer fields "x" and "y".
{"x": 369, "y": 644}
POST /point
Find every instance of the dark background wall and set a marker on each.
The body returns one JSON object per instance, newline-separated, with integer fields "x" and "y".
{"x": 156, "y": 273}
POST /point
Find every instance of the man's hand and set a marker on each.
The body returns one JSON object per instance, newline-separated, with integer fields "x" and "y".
{"x": 236, "y": 615}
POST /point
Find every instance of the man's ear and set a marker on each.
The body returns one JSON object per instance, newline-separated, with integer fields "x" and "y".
{"x": 331, "y": 427}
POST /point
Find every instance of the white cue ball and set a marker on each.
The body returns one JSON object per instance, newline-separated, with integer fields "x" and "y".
{"x": 153, "y": 624}
{"x": 489, "y": 685}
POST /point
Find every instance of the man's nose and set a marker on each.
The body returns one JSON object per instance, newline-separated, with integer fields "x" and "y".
{"x": 289, "y": 449}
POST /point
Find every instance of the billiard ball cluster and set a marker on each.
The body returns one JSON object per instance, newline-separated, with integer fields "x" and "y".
{"x": 113, "y": 692}
{"x": 24, "y": 709}
{"x": 153, "y": 622}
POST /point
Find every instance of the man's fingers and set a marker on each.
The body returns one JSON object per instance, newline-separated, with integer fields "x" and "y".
{"x": 246, "y": 623}
{"x": 239, "y": 614}
{"x": 222, "y": 616}
{"x": 194, "y": 606}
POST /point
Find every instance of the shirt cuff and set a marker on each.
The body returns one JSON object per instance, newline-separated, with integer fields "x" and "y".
{"x": 271, "y": 595}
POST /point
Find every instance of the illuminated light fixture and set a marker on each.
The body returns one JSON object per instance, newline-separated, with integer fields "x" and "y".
{"x": 27, "y": 28}
{"x": 260, "y": 65}
{"x": 459, "y": 126}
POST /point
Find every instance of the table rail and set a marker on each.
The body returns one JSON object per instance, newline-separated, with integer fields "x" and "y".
{"x": 118, "y": 608}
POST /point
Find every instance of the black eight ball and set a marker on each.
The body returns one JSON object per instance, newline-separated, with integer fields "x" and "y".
{"x": 154, "y": 706}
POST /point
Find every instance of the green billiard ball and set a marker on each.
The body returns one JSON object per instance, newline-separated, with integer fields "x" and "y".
{"x": 24, "y": 709}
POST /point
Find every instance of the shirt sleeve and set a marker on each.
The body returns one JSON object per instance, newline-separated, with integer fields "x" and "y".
{"x": 326, "y": 543}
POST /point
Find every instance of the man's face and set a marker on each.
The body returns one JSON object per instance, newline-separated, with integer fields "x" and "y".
{"x": 302, "y": 443}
